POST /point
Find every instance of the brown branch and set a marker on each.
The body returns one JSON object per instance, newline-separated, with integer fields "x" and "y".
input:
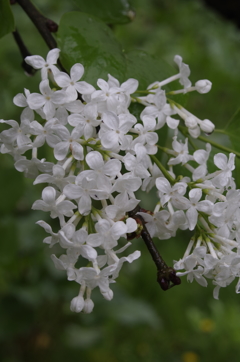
{"x": 166, "y": 276}
{"x": 24, "y": 52}
{"x": 40, "y": 21}
{"x": 44, "y": 25}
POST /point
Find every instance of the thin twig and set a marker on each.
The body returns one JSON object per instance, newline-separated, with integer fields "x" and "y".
{"x": 40, "y": 21}
{"x": 166, "y": 276}
{"x": 44, "y": 25}
{"x": 24, "y": 52}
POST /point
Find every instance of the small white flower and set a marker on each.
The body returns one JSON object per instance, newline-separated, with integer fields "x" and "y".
{"x": 83, "y": 190}
{"x": 227, "y": 166}
{"x": 37, "y": 62}
{"x": 49, "y": 203}
{"x": 70, "y": 141}
{"x": 168, "y": 192}
{"x": 114, "y": 128}
{"x": 71, "y": 83}
{"x": 181, "y": 152}
{"x": 193, "y": 205}
{"x": 48, "y": 100}
{"x": 184, "y": 71}
{"x": 87, "y": 120}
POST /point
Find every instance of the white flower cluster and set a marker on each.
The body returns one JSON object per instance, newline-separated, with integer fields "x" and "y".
{"x": 103, "y": 155}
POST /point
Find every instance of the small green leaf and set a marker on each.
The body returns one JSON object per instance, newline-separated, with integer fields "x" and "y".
{"x": 109, "y": 11}
{"x": 6, "y": 18}
{"x": 146, "y": 68}
{"x": 87, "y": 40}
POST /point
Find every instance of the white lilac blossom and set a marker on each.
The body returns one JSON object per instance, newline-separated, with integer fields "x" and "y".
{"x": 103, "y": 155}
{"x": 37, "y": 62}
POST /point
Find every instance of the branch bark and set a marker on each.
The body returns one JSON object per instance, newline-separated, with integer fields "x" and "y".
{"x": 166, "y": 276}
{"x": 41, "y": 22}
{"x": 24, "y": 52}
{"x": 44, "y": 25}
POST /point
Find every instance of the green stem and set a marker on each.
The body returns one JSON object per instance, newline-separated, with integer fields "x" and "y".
{"x": 213, "y": 143}
{"x": 217, "y": 145}
{"x": 90, "y": 224}
{"x": 233, "y": 116}
{"x": 174, "y": 102}
{"x": 97, "y": 147}
{"x": 163, "y": 169}
{"x": 184, "y": 131}
{"x": 144, "y": 92}
{"x": 222, "y": 131}
{"x": 164, "y": 149}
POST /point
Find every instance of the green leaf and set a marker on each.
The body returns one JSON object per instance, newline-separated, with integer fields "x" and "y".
{"x": 146, "y": 68}
{"x": 6, "y": 18}
{"x": 110, "y": 11}
{"x": 85, "y": 39}
{"x": 136, "y": 109}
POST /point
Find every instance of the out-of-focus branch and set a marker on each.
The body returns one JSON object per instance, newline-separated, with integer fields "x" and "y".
{"x": 44, "y": 25}
{"x": 166, "y": 276}
{"x": 24, "y": 52}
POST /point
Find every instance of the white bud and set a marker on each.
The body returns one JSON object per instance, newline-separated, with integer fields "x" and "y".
{"x": 207, "y": 126}
{"x": 108, "y": 294}
{"x": 203, "y": 86}
{"x": 77, "y": 304}
{"x": 88, "y": 306}
{"x": 194, "y": 132}
{"x": 191, "y": 122}
{"x": 71, "y": 274}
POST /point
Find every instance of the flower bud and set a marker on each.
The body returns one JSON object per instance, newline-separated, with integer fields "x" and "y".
{"x": 108, "y": 294}
{"x": 88, "y": 306}
{"x": 71, "y": 274}
{"x": 77, "y": 304}
{"x": 191, "y": 122}
{"x": 203, "y": 86}
{"x": 194, "y": 132}
{"x": 207, "y": 126}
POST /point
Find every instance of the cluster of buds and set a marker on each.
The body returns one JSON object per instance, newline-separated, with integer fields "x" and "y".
{"x": 103, "y": 155}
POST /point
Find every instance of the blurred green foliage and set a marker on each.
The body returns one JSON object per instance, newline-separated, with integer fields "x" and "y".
{"x": 141, "y": 323}
{"x": 6, "y": 18}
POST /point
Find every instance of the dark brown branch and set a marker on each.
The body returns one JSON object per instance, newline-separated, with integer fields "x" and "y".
{"x": 40, "y": 21}
{"x": 44, "y": 25}
{"x": 166, "y": 276}
{"x": 24, "y": 52}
